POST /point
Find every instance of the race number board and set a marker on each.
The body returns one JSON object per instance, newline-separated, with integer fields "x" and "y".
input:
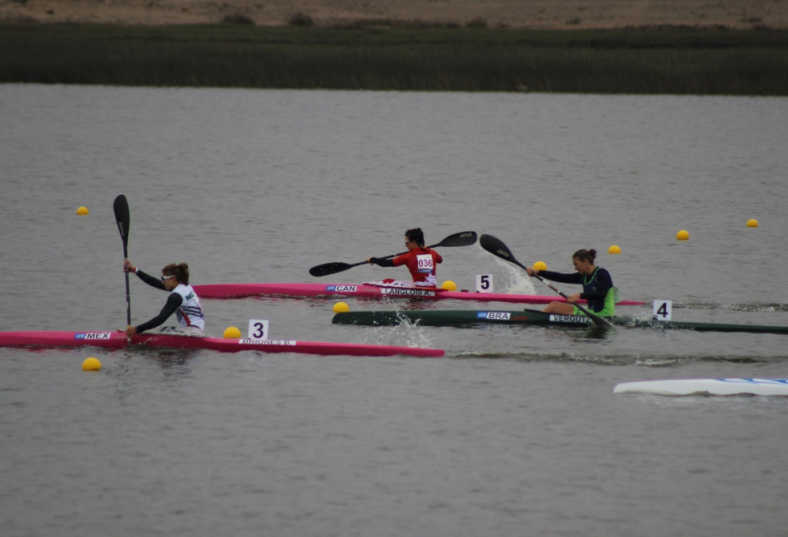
{"x": 484, "y": 283}
{"x": 258, "y": 329}
{"x": 663, "y": 310}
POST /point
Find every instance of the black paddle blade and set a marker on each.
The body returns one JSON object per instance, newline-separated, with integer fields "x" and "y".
{"x": 497, "y": 248}
{"x": 466, "y": 238}
{"x": 329, "y": 268}
{"x": 123, "y": 217}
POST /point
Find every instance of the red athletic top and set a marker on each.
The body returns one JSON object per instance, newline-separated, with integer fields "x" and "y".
{"x": 421, "y": 268}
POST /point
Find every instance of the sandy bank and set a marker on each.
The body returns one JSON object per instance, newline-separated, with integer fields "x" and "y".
{"x": 537, "y": 14}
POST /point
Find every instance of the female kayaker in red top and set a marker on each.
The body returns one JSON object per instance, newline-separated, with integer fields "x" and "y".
{"x": 421, "y": 261}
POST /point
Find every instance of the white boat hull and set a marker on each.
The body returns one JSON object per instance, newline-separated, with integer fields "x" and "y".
{"x": 681, "y": 387}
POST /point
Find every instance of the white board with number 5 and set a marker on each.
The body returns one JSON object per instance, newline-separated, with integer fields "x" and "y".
{"x": 484, "y": 283}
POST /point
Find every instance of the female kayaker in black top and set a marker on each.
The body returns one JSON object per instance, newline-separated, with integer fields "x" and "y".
{"x": 597, "y": 284}
{"x": 183, "y": 300}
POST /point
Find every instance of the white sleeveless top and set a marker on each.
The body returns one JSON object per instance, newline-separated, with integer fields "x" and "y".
{"x": 190, "y": 311}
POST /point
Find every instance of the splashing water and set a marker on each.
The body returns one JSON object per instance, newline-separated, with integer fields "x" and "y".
{"x": 405, "y": 334}
{"x": 509, "y": 278}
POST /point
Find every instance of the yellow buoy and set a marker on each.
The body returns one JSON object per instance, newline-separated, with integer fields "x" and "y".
{"x": 91, "y": 364}
{"x": 752, "y": 222}
{"x": 232, "y": 332}
{"x": 682, "y": 235}
{"x": 449, "y": 285}
{"x": 82, "y": 211}
{"x": 614, "y": 250}
{"x": 540, "y": 265}
{"x": 341, "y": 307}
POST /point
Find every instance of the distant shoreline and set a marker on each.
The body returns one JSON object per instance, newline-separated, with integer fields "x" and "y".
{"x": 668, "y": 60}
{"x": 524, "y": 14}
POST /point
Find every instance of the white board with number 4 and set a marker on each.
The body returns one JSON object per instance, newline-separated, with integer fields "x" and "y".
{"x": 663, "y": 310}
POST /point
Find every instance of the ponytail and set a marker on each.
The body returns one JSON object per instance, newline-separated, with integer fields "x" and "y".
{"x": 585, "y": 255}
{"x": 180, "y": 271}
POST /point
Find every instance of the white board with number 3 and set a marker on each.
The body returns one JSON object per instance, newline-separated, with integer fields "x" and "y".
{"x": 663, "y": 309}
{"x": 258, "y": 329}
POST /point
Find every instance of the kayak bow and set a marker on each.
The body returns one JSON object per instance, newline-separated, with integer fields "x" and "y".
{"x": 531, "y": 317}
{"x": 733, "y": 386}
{"x": 118, "y": 340}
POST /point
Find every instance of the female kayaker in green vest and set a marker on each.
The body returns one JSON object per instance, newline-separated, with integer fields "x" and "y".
{"x": 597, "y": 284}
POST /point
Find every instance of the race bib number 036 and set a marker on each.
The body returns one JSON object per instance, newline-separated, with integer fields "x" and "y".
{"x": 425, "y": 263}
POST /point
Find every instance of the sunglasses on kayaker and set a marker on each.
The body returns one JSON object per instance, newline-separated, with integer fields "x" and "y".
{"x": 167, "y": 277}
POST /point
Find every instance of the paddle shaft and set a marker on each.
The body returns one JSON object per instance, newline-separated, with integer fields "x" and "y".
{"x": 333, "y": 268}
{"x": 597, "y": 318}
{"x": 396, "y": 255}
{"x": 465, "y": 238}
{"x": 128, "y": 294}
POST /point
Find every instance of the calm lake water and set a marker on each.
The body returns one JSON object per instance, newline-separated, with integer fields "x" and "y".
{"x": 515, "y": 432}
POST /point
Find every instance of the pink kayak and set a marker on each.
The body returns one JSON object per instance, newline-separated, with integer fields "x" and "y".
{"x": 118, "y": 340}
{"x": 246, "y": 290}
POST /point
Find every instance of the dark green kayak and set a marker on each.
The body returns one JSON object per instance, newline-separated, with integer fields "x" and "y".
{"x": 473, "y": 317}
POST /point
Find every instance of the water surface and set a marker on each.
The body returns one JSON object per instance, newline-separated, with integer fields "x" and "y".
{"x": 516, "y": 431}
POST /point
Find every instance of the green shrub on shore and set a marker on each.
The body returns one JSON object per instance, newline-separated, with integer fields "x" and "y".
{"x": 301, "y": 19}
{"x": 668, "y": 60}
{"x": 478, "y": 22}
{"x": 237, "y": 18}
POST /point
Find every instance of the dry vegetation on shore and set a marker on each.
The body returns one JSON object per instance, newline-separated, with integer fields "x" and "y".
{"x": 533, "y": 14}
